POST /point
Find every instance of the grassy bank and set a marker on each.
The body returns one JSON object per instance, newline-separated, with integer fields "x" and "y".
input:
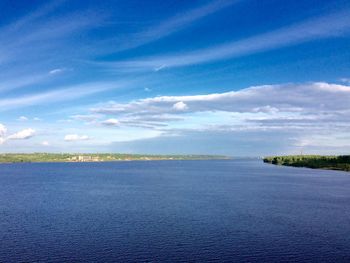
{"x": 312, "y": 161}
{"x": 104, "y": 157}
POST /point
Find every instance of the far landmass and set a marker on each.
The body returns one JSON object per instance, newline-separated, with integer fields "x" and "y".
{"x": 96, "y": 157}
{"x": 341, "y": 162}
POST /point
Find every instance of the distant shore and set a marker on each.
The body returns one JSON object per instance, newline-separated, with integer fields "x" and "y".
{"x": 341, "y": 162}
{"x": 94, "y": 157}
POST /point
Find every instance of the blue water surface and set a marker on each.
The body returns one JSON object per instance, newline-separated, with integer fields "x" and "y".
{"x": 173, "y": 211}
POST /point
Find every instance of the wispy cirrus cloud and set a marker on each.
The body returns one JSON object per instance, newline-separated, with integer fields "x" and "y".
{"x": 57, "y": 71}
{"x": 36, "y": 47}
{"x": 328, "y": 26}
{"x": 76, "y": 137}
{"x": 20, "y": 82}
{"x": 57, "y": 95}
{"x": 39, "y": 42}
{"x": 31, "y": 17}
{"x": 173, "y": 24}
{"x": 86, "y": 117}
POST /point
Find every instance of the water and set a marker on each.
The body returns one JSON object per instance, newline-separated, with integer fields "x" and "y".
{"x": 169, "y": 211}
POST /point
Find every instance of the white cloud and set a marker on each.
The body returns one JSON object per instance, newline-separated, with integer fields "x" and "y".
{"x": 111, "y": 122}
{"x": 56, "y": 71}
{"x": 148, "y": 122}
{"x": 345, "y": 80}
{"x": 22, "y": 135}
{"x": 287, "y": 106}
{"x": 19, "y": 82}
{"x": 266, "y": 109}
{"x": 159, "y": 68}
{"x": 314, "y": 97}
{"x": 23, "y": 118}
{"x": 180, "y": 106}
{"x": 86, "y": 117}
{"x": 324, "y": 140}
{"x": 45, "y": 143}
{"x": 67, "y": 93}
{"x": 76, "y": 137}
{"x": 3, "y": 131}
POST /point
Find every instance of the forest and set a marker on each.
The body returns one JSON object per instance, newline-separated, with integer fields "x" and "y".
{"x": 341, "y": 162}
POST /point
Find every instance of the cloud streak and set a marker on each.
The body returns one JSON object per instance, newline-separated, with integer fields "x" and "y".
{"x": 329, "y": 26}
{"x": 3, "y": 131}
{"x": 57, "y": 95}
{"x": 174, "y": 24}
{"x": 22, "y": 135}
{"x": 45, "y": 40}
{"x": 76, "y": 137}
{"x": 308, "y": 105}
{"x": 30, "y": 18}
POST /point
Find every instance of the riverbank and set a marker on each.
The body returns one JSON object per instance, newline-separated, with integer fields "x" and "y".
{"x": 312, "y": 161}
{"x": 101, "y": 157}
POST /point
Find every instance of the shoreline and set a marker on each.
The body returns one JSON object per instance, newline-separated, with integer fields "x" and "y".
{"x": 323, "y": 162}
{"x": 97, "y": 158}
{"x": 115, "y": 161}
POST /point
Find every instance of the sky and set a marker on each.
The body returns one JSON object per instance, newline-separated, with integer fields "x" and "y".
{"x": 231, "y": 77}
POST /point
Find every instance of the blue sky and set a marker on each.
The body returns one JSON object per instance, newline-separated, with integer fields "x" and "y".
{"x": 234, "y": 77}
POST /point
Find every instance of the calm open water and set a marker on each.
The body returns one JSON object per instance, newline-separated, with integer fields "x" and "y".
{"x": 233, "y": 210}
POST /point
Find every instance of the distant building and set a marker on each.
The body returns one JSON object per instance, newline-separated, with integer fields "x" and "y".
{"x": 85, "y": 158}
